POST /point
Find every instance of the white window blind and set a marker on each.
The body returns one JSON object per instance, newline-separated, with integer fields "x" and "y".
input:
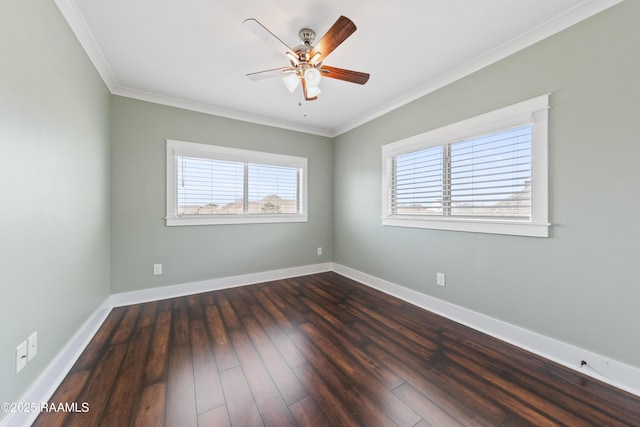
{"x": 212, "y": 185}
{"x": 273, "y": 189}
{"x": 208, "y": 187}
{"x": 418, "y": 183}
{"x": 488, "y": 176}
{"x": 482, "y": 174}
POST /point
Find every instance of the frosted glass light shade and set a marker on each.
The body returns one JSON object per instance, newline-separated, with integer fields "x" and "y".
{"x": 313, "y": 91}
{"x": 312, "y": 76}
{"x": 291, "y": 81}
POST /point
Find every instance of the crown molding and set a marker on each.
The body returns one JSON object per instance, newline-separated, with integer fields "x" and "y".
{"x": 74, "y": 18}
{"x": 571, "y": 17}
{"x": 216, "y": 111}
{"x": 553, "y": 26}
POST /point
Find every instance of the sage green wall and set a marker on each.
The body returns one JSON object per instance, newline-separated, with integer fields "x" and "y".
{"x": 192, "y": 253}
{"x": 54, "y": 186}
{"x": 581, "y": 285}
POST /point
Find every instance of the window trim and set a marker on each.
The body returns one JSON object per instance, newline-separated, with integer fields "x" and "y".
{"x": 179, "y": 148}
{"x": 534, "y": 111}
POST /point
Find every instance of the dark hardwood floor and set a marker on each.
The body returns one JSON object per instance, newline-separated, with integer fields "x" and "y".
{"x": 319, "y": 350}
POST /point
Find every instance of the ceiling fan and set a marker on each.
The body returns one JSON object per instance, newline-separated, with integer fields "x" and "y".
{"x": 306, "y": 66}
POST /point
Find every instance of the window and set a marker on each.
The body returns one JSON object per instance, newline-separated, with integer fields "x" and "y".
{"x": 485, "y": 174}
{"x": 208, "y": 184}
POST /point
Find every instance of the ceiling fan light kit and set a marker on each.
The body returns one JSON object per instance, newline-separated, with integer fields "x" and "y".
{"x": 306, "y": 60}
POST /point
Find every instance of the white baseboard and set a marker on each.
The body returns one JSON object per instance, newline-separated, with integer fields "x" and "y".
{"x": 610, "y": 371}
{"x": 47, "y": 383}
{"x": 164, "y": 292}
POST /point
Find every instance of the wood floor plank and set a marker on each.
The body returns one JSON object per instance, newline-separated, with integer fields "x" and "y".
{"x": 127, "y": 324}
{"x": 147, "y": 314}
{"x": 288, "y": 384}
{"x": 180, "y": 334}
{"x": 94, "y": 350}
{"x": 208, "y": 387}
{"x": 164, "y": 305}
{"x": 207, "y": 298}
{"x": 351, "y": 334}
{"x": 126, "y": 390}
{"x": 194, "y": 304}
{"x": 409, "y": 316}
{"x": 151, "y": 406}
{"x": 322, "y": 297}
{"x": 289, "y": 311}
{"x": 377, "y": 392}
{"x": 181, "y": 408}
{"x": 273, "y": 409}
{"x": 325, "y": 293}
{"x": 369, "y": 364}
{"x": 246, "y": 293}
{"x": 287, "y": 292}
{"x": 239, "y": 305}
{"x": 308, "y": 414}
{"x": 98, "y": 388}
{"x": 398, "y": 329}
{"x": 283, "y": 343}
{"x": 533, "y": 408}
{"x": 290, "y": 286}
{"x": 328, "y": 400}
{"x": 285, "y": 324}
{"x": 426, "y": 408}
{"x": 240, "y": 404}
{"x": 68, "y": 391}
{"x": 217, "y": 417}
{"x": 156, "y": 367}
{"x": 461, "y": 410}
{"x": 227, "y": 312}
{"x": 222, "y": 349}
{"x": 357, "y": 401}
{"x": 386, "y": 339}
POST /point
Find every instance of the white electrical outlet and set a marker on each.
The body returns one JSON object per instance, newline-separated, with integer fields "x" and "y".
{"x": 32, "y": 346}
{"x": 440, "y": 279}
{"x": 157, "y": 269}
{"x": 21, "y": 356}
{"x": 319, "y": 250}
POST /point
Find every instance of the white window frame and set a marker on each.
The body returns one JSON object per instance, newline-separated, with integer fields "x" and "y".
{"x": 533, "y": 111}
{"x": 176, "y": 148}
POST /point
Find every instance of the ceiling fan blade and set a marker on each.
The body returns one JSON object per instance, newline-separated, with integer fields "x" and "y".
{"x": 267, "y": 74}
{"x": 346, "y": 75}
{"x": 338, "y": 33}
{"x": 306, "y": 94}
{"x": 261, "y": 31}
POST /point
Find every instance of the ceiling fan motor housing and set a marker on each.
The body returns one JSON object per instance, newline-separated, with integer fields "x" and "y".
{"x": 307, "y": 35}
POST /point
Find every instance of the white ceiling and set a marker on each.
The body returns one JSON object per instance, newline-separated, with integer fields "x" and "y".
{"x": 195, "y": 53}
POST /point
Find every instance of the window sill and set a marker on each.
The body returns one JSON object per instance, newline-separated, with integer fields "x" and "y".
{"x": 515, "y": 228}
{"x": 234, "y": 219}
